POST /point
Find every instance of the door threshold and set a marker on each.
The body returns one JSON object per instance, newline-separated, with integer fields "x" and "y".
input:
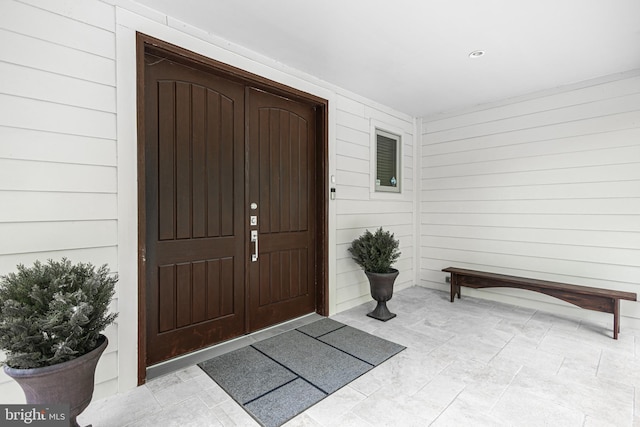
{"x": 190, "y": 359}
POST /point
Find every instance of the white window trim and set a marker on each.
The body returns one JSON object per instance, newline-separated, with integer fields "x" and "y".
{"x": 384, "y": 127}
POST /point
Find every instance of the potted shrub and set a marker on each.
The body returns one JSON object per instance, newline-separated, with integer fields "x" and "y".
{"x": 376, "y": 253}
{"x": 51, "y": 321}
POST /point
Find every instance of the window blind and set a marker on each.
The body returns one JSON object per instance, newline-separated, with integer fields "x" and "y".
{"x": 386, "y": 150}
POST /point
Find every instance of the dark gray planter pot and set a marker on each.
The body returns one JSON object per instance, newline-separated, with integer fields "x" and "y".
{"x": 69, "y": 383}
{"x": 381, "y": 285}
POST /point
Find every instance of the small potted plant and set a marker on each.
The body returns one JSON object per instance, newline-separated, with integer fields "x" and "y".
{"x": 376, "y": 253}
{"x": 51, "y": 321}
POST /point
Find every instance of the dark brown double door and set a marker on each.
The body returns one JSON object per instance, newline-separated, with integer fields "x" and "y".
{"x": 224, "y": 162}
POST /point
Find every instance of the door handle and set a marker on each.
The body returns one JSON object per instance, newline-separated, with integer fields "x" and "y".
{"x": 254, "y": 239}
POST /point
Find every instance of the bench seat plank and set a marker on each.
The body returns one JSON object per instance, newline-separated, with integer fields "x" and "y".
{"x": 597, "y": 299}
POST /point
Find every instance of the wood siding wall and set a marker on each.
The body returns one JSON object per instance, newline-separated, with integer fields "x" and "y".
{"x": 547, "y": 186}
{"x": 58, "y": 183}
{"x": 358, "y": 207}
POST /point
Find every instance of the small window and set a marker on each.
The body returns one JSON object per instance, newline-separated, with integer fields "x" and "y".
{"x": 387, "y": 161}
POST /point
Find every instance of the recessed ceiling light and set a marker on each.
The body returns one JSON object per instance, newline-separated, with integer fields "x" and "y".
{"x": 476, "y": 54}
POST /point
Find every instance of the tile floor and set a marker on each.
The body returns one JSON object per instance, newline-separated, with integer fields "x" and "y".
{"x": 471, "y": 363}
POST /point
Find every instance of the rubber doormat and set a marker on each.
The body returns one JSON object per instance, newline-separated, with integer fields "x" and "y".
{"x": 276, "y": 379}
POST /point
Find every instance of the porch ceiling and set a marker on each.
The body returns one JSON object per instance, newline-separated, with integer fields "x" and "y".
{"x": 413, "y": 56}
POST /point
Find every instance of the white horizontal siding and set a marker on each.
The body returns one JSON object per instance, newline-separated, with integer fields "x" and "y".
{"x": 486, "y": 150}
{"x": 594, "y": 206}
{"x": 588, "y": 238}
{"x": 58, "y": 176}
{"x": 36, "y": 145}
{"x": 28, "y": 175}
{"x": 587, "y": 92}
{"x": 55, "y": 58}
{"x": 27, "y": 113}
{"x": 577, "y": 190}
{"x": 357, "y": 209}
{"x": 549, "y": 132}
{"x": 94, "y": 13}
{"x": 545, "y": 187}
{"x": 542, "y": 118}
{"x": 615, "y": 172}
{"x": 97, "y": 255}
{"x": 620, "y": 223}
{"x": 46, "y": 86}
{"x": 613, "y": 156}
{"x": 27, "y": 206}
{"x": 35, "y": 22}
{"x": 26, "y": 237}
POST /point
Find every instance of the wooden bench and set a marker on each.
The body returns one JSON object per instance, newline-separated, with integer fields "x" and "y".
{"x": 604, "y": 300}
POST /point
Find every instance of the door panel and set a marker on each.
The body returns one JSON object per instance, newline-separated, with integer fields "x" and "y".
{"x": 282, "y": 184}
{"x": 200, "y": 178}
{"x": 194, "y": 179}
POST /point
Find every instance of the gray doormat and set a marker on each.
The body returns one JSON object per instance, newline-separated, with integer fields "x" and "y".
{"x": 276, "y": 379}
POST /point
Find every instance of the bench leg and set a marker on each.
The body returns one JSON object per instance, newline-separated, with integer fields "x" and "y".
{"x": 616, "y": 318}
{"x": 454, "y": 286}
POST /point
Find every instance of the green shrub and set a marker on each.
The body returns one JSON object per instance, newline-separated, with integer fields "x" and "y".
{"x": 51, "y": 313}
{"x": 375, "y": 252}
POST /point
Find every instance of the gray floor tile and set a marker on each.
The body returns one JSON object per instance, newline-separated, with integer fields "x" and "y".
{"x": 524, "y": 409}
{"x": 471, "y": 363}
{"x": 328, "y": 411}
{"x": 189, "y": 413}
{"x": 468, "y": 412}
{"x": 120, "y": 409}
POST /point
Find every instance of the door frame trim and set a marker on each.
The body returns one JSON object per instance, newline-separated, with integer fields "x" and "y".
{"x": 148, "y": 44}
